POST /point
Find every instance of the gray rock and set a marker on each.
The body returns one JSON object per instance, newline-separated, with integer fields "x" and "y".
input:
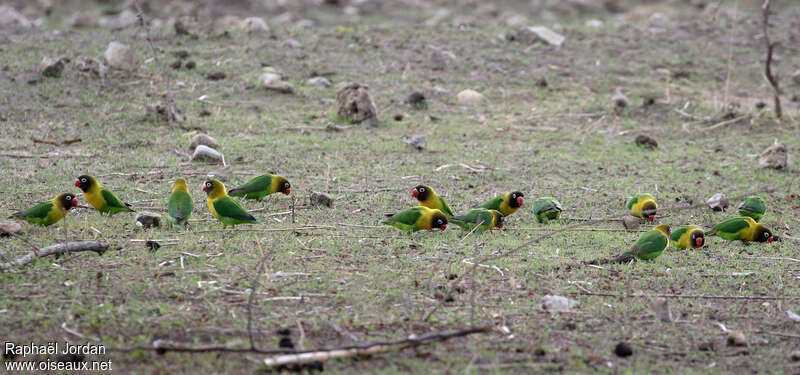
{"x": 291, "y": 43}
{"x": 718, "y": 202}
{"x": 10, "y": 17}
{"x": 147, "y": 219}
{"x": 334, "y": 127}
{"x": 417, "y": 141}
{"x": 83, "y": 20}
{"x": 556, "y": 303}
{"x": 631, "y": 223}
{"x": 661, "y": 309}
{"x": 319, "y": 82}
{"x": 356, "y": 104}
{"x": 51, "y": 67}
{"x": 91, "y": 65}
{"x": 540, "y": 33}
{"x": 10, "y": 227}
{"x": 206, "y": 154}
{"x": 619, "y": 99}
{"x": 126, "y": 18}
{"x": 254, "y": 24}
{"x": 203, "y": 139}
{"x": 737, "y": 338}
{"x": 469, "y": 97}
{"x": 321, "y": 199}
{"x": 775, "y": 156}
{"x": 274, "y": 82}
{"x": 594, "y": 23}
{"x": 119, "y": 56}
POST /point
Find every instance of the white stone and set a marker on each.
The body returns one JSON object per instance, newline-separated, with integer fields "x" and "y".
{"x": 273, "y": 81}
{"x": 254, "y": 24}
{"x": 594, "y": 23}
{"x": 205, "y": 153}
{"x": 544, "y": 34}
{"x": 557, "y": 303}
{"x": 119, "y": 56}
{"x": 469, "y": 97}
{"x": 319, "y": 82}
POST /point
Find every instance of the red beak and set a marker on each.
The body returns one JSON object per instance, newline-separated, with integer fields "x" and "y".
{"x": 500, "y": 226}
{"x": 415, "y": 193}
{"x": 519, "y": 201}
{"x": 204, "y": 187}
{"x": 699, "y": 242}
{"x": 77, "y": 183}
{"x": 74, "y": 202}
{"x": 287, "y": 191}
{"x": 769, "y": 240}
{"x": 651, "y": 218}
{"x": 443, "y": 227}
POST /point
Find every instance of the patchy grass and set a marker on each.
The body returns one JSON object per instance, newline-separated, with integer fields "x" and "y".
{"x": 563, "y": 140}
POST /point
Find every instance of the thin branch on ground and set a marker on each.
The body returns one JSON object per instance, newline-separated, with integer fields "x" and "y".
{"x": 71, "y": 247}
{"x": 369, "y": 349}
{"x": 773, "y": 80}
{"x": 693, "y": 296}
{"x": 254, "y": 285}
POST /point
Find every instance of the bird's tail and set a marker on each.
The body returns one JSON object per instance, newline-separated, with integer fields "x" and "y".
{"x": 624, "y": 258}
{"x": 17, "y": 214}
{"x": 236, "y": 192}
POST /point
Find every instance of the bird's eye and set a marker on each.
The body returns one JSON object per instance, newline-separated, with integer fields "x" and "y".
{"x": 83, "y": 180}
{"x": 766, "y": 234}
{"x": 421, "y": 190}
{"x": 208, "y": 184}
{"x": 286, "y": 185}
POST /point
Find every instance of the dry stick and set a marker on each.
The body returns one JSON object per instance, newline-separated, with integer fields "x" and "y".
{"x": 255, "y": 284}
{"x": 768, "y": 65}
{"x": 71, "y": 247}
{"x": 724, "y": 123}
{"x": 369, "y": 349}
{"x": 692, "y": 296}
{"x": 170, "y": 103}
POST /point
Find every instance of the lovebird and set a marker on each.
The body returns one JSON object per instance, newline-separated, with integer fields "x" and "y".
{"x": 488, "y": 219}
{"x": 180, "y": 204}
{"x": 427, "y": 197}
{"x": 643, "y": 205}
{"x": 752, "y": 207}
{"x": 100, "y": 198}
{"x": 223, "y": 207}
{"x": 507, "y": 203}
{"x": 688, "y": 236}
{"x": 261, "y": 186}
{"x": 546, "y": 208}
{"x": 649, "y": 245}
{"x": 744, "y": 229}
{"x": 416, "y": 219}
{"x": 48, "y": 213}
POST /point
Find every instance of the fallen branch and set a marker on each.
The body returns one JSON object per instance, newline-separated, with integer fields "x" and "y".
{"x": 693, "y": 296}
{"x": 768, "y": 64}
{"x": 70, "y": 247}
{"x": 54, "y": 143}
{"x": 724, "y": 123}
{"x": 368, "y": 349}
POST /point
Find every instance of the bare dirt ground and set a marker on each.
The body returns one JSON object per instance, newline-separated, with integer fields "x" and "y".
{"x": 693, "y": 75}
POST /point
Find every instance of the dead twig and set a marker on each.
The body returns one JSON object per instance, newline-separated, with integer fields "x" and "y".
{"x": 693, "y": 296}
{"x": 369, "y": 349}
{"x": 724, "y": 123}
{"x": 768, "y": 64}
{"x": 71, "y": 247}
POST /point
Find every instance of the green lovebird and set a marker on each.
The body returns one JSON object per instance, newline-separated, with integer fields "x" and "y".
{"x": 643, "y": 205}
{"x": 223, "y": 207}
{"x": 688, "y": 236}
{"x": 427, "y": 197}
{"x": 101, "y": 199}
{"x": 261, "y": 186}
{"x": 507, "y": 203}
{"x": 752, "y": 207}
{"x": 744, "y": 229}
{"x": 546, "y": 208}
{"x": 180, "y": 205}
{"x": 416, "y": 219}
{"x": 488, "y": 219}
{"x": 48, "y": 213}
{"x": 649, "y": 245}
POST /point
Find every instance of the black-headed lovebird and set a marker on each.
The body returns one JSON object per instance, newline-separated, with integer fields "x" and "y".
{"x": 180, "y": 204}
{"x": 488, "y": 219}
{"x": 688, "y": 236}
{"x": 752, "y": 207}
{"x": 507, "y": 203}
{"x": 223, "y": 207}
{"x": 744, "y": 229}
{"x": 427, "y": 197}
{"x": 48, "y": 213}
{"x": 649, "y": 245}
{"x": 546, "y": 208}
{"x": 416, "y": 219}
{"x": 101, "y": 199}
{"x": 643, "y": 205}
{"x": 261, "y": 186}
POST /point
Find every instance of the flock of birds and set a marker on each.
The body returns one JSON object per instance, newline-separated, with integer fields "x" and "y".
{"x": 432, "y": 213}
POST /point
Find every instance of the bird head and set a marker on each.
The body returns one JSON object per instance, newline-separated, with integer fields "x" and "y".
{"x": 180, "y": 185}
{"x": 439, "y": 220}
{"x": 285, "y": 186}
{"x": 501, "y": 220}
{"x": 764, "y": 235}
{"x": 67, "y": 200}
{"x": 698, "y": 238}
{"x": 214, "y": 188}
{"x": 516, "y": 199}
{"x": 85, "y": 182}
{"x": 421, "y": 192}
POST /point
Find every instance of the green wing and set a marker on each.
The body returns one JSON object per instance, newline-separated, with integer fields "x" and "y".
{"x": 445, "y": 208}
{"x": 676, "y": 234}
{"x": 545, "y": 204}
{"x": 754, "y": 204}
{"x": 112, "y": 200}
{"x": 39, "y": 211}
{"x": 734, "y": 225}
{"x": 631, "y": 201}
{"x": 227, "y": 207}
{"x": 407, "y": 217}
{"x": 472, "y": 217}
{"x": 257, "y": 184}
{"x": 494, "y": 204}
{"x": 652, "y": 242}
{"x": 180, "y": 206}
